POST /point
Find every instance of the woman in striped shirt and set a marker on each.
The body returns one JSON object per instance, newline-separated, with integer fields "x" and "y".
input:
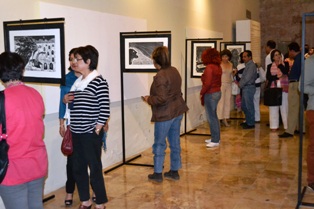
{"x": 89, "y": 112}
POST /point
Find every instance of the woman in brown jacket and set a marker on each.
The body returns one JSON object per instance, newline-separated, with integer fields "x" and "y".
{"x": 168, "y": 107}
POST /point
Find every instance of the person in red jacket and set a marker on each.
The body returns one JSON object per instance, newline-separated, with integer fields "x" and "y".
{"x": 23, "y": 184}
{"x": 210, "y": 93}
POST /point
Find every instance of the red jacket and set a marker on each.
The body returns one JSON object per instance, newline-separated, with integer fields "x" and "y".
{"x": 211, "y": 79}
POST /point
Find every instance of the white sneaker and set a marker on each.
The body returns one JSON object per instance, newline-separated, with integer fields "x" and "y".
{"x": 212, "y": 144}
{"x": 208, "y": 141}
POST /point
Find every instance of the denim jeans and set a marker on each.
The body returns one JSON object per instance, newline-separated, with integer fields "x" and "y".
{"x": 170, "y": 129}
{"x": 27, "y": 195}
{"x": 210, "y": 103}
{"x": 248, "y": 104}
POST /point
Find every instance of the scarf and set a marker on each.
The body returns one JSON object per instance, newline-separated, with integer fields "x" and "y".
{"x": 274, "y": 69}
{"x": 80, "y": 84}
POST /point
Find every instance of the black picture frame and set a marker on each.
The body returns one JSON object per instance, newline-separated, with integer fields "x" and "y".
{"x": 135, "y": 44}
{"x": 197, "y": 66}
{"x": 40, "y": 42}
{"x": 236, "y": 49}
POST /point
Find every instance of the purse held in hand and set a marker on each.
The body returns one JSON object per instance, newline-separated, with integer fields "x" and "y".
{"x": 66, "y": 145}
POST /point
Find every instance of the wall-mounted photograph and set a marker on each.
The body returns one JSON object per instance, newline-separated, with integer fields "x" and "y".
{"x": 197, "y": 66}
{"x": 236, "y": 49}
{"x": 41, "y": 45}
{"x": 136, "y": 49}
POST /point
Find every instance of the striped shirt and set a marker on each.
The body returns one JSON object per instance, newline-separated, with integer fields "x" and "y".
{"x": 90, "y": 106}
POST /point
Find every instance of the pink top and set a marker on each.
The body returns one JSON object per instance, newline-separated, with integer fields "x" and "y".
{"x": 25, "y": 128}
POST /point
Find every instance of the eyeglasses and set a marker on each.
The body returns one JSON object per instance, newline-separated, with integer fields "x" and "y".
{"x": 75, "y": 60}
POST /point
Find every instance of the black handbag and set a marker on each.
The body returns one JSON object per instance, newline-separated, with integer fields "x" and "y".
{"x": 273, "y": 96}
{"x": 4, "y": 147}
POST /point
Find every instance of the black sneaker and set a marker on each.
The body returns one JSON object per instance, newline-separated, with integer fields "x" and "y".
{"x": 172, "y": 175}
{"x": 156, "y": 177}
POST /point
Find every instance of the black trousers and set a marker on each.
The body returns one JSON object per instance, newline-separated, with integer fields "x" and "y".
{"x": 87, "y": 154}
{"x": 70, "y": 183}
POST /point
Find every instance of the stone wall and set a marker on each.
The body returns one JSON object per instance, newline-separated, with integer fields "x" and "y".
{"x": 281, "y": 21}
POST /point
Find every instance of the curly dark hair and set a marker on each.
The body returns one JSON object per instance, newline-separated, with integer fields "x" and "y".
{"x": 226, "y": 52}
{"x": 211, "y": 56}
{"x": 11, "y": 66}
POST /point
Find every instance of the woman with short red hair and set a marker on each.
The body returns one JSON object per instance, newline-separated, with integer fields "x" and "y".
{"x": 210, "y": 93}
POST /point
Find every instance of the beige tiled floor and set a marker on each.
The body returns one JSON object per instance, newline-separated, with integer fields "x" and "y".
{"x": 252, "y": 169}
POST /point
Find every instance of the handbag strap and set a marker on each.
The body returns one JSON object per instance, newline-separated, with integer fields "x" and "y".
{"x": 2, "y": 116}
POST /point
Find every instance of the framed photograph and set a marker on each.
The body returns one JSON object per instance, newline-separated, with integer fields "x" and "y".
{"x": 236, "y": 49}
{"x": 136, "y": 49}
{"x": 197, "y": 66}
{"x": 41, "y": 45}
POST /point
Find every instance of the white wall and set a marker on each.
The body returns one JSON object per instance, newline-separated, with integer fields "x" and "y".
{"x": 114, "y": 16}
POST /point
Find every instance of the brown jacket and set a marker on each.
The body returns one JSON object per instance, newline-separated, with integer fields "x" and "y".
{"x": 166, "y": 96}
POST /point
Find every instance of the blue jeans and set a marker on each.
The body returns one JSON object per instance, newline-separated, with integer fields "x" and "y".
{"x": 170, "y": 129}
{"x": 210, "y": 103}
{"x": 248, "y": 104}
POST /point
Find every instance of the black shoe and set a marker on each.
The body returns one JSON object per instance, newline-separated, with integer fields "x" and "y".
{"x": 68, "y": 203}
{"x": 172, "y": 175}
{"x": 94, "y": 199}
{"x": 243, "y": 124}
{"x": 157, "y": 177}
{"x": 285, "y": 135}
{"x": 248, "y": 126}
{"x": 298, "y": 132}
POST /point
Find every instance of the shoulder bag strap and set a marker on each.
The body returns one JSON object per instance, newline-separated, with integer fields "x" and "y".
{"x": 2, "y": 116}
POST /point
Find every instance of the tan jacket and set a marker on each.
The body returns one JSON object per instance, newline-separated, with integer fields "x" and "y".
{"x": 166, "y": 96}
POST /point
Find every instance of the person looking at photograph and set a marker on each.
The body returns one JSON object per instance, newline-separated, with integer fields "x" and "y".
{"x": 168, "y": 106}
{"x": 210, "y": 93}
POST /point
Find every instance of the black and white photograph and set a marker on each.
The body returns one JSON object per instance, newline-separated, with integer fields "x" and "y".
{"x": 197, "y": 65}
{"x": 37, "y": 51}
{"x": 136, "y": 50}
{"x": 236, "y": 49}
{"x": 41, "y": 49}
